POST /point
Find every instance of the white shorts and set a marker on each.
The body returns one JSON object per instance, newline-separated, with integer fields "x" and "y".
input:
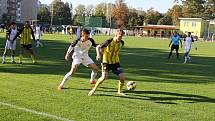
{"x": 11, "y": 46}
{"x": 187, "y": 49}
{"x": 85, "y": 60}
{"x": 37, "y": 36}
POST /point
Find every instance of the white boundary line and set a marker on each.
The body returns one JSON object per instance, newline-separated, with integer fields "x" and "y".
{"x": 34, "y": 112}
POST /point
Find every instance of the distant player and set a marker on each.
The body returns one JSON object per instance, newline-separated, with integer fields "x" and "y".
{"x": 38, "y": 34}
{"x": 187, "y": 47}
{"x": 175, "y": 44}
{"x": 78, "y": 32}
{"x": 26, "y": 32}
{"x": 10, "y": 44}
{"x": 79, "y": 49}
{"x": 111, "y": 49}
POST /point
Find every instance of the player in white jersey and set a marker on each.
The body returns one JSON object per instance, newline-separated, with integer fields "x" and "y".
{"x": 79, "y": 50}
{"x": 38, "y": 33}
{"x": 187, "y": 47}
{"x": 10, "y": 45}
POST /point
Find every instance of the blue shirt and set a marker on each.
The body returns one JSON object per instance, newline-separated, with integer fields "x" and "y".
{"x": 175, "y": 40}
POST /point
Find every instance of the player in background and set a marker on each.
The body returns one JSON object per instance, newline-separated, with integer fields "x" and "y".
{"x": 187, "y": 47}
{"x": 79, "y": 50}
{"x": 26, "y": 32}
{"x": 111, "y": 49}
{"x": 175, "y": 44}
{"x": 10, "y": 44}
{"x": 38, "y": 34}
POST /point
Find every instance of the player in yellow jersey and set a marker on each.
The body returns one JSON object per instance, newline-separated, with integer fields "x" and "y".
{"x": 26, "y": 32}
{"x": 111, "y": 49}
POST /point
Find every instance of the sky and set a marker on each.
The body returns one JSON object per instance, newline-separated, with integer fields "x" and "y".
{"x": 160, "y": 5}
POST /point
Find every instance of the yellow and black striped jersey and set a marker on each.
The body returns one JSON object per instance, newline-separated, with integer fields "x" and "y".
{"x": 26, "y": 33}
{"x": 111, "y": 50}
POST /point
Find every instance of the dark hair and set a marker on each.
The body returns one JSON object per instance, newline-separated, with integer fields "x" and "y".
{"x": 189, "y": 32}
{"x": 13, "y": 23}
{"x": 86, "y": 31}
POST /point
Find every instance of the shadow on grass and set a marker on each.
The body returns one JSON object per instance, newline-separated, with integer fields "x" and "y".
{"x": 140, "y": 64}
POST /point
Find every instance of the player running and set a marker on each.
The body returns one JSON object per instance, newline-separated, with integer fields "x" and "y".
{"x": 187, "y": 47}
{"x": 111, "y": 61}
{"x": 38, "y": 34}
{"x": 80, "y": 49}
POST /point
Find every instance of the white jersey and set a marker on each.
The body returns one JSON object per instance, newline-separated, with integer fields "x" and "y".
{"x": 12, "y": 34}
{"x": 187, "y": 44}
{"x": 81, "y": 48}
{"x": 37, "y": 32}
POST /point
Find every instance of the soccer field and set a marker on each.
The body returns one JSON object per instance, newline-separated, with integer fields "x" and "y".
{"x": 167, "y": 89}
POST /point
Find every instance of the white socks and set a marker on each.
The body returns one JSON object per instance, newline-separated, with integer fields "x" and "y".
{"x": 66, "y": 78}
{"x": 93, "y": 75}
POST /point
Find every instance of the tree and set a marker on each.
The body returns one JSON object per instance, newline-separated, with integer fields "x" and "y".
{"x": 152, "y": 16}
{"x": 80, "y": 10}
{"x": 61, "y": 13}
{"x": 175, "y": 12}
{"x": 100, "y": 9}
{"x": 89, "y": 10}
{"x": 120, "y": 11}
{"x": 193, "y": 8}
{"x": 44, "y": 15}
{"x": 166, "y": 20}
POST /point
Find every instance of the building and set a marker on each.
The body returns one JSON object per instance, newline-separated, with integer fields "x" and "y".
{"x": 155, "y": 30}
{"x": 8, "y": 7}
{"x": 29, "y": 10}
{"x": 197, "y": 26}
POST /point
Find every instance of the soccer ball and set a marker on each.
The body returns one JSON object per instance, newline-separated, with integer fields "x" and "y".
{"x": 131, "y": 85}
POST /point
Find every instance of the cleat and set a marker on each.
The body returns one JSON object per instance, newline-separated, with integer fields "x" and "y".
{"x": 93, "y": 82}
{"x": 3, "y": 62}
{"x": 91, "y": 92}
{"x": 60, "y": 87}
{"x": 121, "y": 94}
{"x": 20, "y": 62}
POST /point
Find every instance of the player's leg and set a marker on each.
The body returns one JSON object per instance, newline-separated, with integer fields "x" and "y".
{"x": 119, "y": 72}
{"x": 177, "y": 53}
{"x": 88, "y": 62}
{"x": 74, "y": 66}
{"x": 170, "y": 53}
{"x": 21, "y": 52}
{"x": 7, "y": 47}
{"x": 13, "y": 52}
{"x": 33, "y": 57}
{"x": 100, "y": 80}
{"x": 121, "y": 84}
{"x": 4, "y": 56}
{"x": 94, "y": 72}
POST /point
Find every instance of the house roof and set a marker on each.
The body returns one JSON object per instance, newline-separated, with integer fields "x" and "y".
{"x": 167, "y": 27}
{"x": 191, "y": 18}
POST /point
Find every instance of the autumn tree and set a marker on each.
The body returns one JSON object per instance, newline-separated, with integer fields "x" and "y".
{"x": 120, "y": 11}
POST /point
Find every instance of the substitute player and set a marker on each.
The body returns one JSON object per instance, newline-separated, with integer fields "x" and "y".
{"x": 79, "y": 49}
{"x": 10, "y": 44}
{"x": 26, "y": 32}
{"x": 175, "y": 44}
{"x": 187, "y": 47}
{"x": 111, "y": 49}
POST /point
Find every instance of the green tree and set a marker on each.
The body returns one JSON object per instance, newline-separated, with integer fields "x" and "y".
{"x": 80, "y": 10}
{"x": 44, "y": 15}
{"x": 101, "y": 9}
{"x": 152, "y": 16}
{"x": 61, "y": 13}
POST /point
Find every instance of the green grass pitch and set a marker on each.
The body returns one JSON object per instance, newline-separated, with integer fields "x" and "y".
{"x": 167, "y": 90}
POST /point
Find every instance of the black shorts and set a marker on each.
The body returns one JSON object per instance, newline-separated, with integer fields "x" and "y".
{"x": 114, "y": 67}
{"x": 176, "y": 47}
{"x": 27, "y": 47}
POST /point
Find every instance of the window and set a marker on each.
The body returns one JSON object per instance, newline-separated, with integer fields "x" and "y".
{"x": 186, "y": 24}
{"x": 193, "y": 24}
